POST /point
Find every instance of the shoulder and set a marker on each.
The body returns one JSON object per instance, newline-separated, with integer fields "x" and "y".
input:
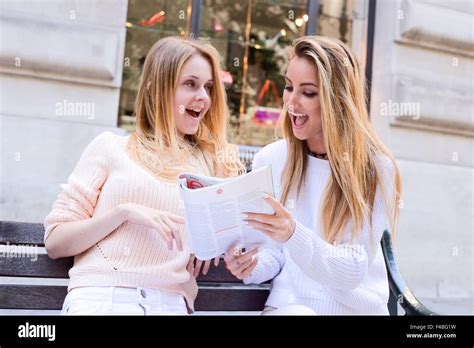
{"x": 274, "y": 152}
{"x": 386, "y": 170}
{"x": 384, "y": 163}
{"x": 104, "y": 146}
{"x": 107, "y": 140}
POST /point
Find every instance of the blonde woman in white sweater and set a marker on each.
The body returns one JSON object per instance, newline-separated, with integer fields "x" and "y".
{"x": 119, "y": 215}
{"x": 338, "y": 186}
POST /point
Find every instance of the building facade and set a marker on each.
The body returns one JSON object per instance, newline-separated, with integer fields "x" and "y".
{"x": 69, "y": 71}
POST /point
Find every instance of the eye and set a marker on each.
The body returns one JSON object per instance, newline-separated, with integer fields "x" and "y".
{"x": 310, "y": 94}
{"x": 208, "y": 87}
{"x": 189, "y": 83}
{"x": 289, "y": 88}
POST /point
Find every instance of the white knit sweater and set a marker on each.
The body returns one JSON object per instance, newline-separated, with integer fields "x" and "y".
{"x": 347, "y": 279}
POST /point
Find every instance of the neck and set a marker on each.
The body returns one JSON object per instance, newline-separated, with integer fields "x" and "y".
{"x": 316, "y": 144}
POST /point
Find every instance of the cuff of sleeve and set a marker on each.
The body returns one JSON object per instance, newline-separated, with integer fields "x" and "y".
{"x": 259, "y": 274}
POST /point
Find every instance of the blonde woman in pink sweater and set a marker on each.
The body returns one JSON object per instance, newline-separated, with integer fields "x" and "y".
{"x": 119, "y": 214}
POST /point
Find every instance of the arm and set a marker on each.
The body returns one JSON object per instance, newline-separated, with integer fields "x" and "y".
{"x": 254, "y": 266}
{"x": 72, "y": 238}
{"x": 270, "y": 257}
{"x": 71, "y": 228}
{"x": 342, "y": 266}
{"x": 269, "y": 264}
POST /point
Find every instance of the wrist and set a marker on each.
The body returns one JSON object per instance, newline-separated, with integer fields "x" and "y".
{"x": 292, "y": 229}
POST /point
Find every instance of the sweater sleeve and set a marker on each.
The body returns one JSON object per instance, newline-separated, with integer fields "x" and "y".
{"x": 343, "y": 266}
{"x": 78, "y": 197}
{"x": 270, "y": 258}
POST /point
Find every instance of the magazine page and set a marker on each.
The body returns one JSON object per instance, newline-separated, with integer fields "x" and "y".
{"x": 213, "y": 213}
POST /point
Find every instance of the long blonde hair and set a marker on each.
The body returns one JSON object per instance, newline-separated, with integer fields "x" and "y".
{"x": 155, "y": 144}
{"x": 351, "y": 143}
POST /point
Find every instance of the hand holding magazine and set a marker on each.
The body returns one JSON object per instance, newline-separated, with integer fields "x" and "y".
{"x": 213, "y": 208}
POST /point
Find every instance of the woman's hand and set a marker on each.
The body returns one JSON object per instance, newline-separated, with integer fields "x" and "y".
{"x": 279, "y": 226}
{"x": 240, "y": 264}
{"x": 194, "y": 265}
{"x": 165, "y": 223}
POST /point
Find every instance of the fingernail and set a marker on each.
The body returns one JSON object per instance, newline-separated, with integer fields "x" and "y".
{"x": 244, "y": 216}
{"x": 265, "y": 195}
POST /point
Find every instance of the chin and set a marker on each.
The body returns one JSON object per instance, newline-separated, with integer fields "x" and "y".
{"x": 190, "y": 131}
{"x": 299, "y": 136}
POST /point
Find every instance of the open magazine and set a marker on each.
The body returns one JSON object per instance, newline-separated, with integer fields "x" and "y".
{"x": 213, "y": 208}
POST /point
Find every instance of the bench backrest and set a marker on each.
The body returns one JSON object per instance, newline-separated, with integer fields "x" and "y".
{"x": 22, "y": 254}
{"x": 219, "y": 290}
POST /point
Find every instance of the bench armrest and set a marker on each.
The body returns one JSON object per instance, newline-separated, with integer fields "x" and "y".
{"x": 399, "y": 288}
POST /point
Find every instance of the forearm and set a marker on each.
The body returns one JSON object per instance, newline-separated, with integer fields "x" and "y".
{"x": 270, "y": 263}
{"x": 73, "y": 238}
{"x": 340, "y": 267}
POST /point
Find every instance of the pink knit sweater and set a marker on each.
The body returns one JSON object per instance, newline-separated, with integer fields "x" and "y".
{"x": 132, "y": 255}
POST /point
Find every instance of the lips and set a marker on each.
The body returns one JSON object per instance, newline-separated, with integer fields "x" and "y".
{"x": 194, "y": 112}
{"x": 298, "y": 120}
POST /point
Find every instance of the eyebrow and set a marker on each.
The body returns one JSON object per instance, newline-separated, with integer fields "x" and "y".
{"x": 305, "y": 83}
{"x": 197, "y": 78}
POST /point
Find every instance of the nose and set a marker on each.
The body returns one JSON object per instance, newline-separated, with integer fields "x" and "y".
{"x": 202, "y": 94}
{"x": 292, "y": 101}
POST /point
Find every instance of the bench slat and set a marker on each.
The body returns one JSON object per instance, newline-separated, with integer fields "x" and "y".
{"x": 218, "y": 274}
{"x": 230, "y": 300}
{"x": 32, "y": 296}
{"x": 52, "y": 297}
{"x": 43, "y": 267}
{"x": 21, "y": 233}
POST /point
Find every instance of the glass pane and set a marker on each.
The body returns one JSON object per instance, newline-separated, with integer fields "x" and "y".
{"x": 335, "y": 19}
{"x": 147, "y": 22}
{"x": 252, "y": 37}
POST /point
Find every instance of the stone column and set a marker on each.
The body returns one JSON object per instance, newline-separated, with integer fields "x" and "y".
{"x": 422, "y": 105}
{"x": 61, "y": 71}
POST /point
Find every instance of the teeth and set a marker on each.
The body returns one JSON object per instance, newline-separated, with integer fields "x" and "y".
{"x": 193, "y": 109}
{"x": 297, "y": 114}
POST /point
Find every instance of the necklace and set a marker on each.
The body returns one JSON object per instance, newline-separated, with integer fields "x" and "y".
{"x": 319, "y": 155}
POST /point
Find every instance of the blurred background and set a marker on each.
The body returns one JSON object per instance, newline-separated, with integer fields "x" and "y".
{"x": 69, "y": 70}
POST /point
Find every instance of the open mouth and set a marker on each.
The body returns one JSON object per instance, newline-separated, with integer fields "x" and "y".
{"x": 194, "y": 112}
{"x": 298, "y": 119}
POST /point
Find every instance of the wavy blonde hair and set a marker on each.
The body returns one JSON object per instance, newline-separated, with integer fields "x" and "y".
{"x": 351, "y": 143}
{"x": 155, "y": 144}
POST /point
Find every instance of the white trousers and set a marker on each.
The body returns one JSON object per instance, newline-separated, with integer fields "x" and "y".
{"x": 288, "y": 310}
{"x": 122, "y": 301}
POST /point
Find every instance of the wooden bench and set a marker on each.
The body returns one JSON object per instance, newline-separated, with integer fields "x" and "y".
{"x": 218, "y": 290}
